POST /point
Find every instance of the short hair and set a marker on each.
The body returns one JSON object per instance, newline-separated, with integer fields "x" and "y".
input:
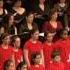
{"x": 33, "y": 31}
{"x": 14, "y": 38}
{"x": 29, "y": 13}
{"x": 4, "y": 35}
{"x": 52, "y": 11}
{"x": 7, "y": 64}
{"x": 20, "y": 65}
{"x": 55, "y": 53}
{"x": 62, "y": 31}
{"x": 33, "y": 56}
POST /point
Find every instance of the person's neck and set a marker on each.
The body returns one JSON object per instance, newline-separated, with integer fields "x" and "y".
{"x": 41, "y": 3}
{"x": 16, "y": 49}
{"x": 5, "y": 46}
{"x": 49, "y": 42}
{"x": 33, "y": 40}
{"x": 17, "y": 7}
{"x": 29, "y": 23}
{"x": 36, "y": 65}
{"x": 10, "y": 24}
{"x": 52, "y": 20}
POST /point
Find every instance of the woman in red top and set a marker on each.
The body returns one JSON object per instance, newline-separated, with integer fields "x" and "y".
{"x": 17, "y": 51}
{"x": 63, "y": 45}
{"x": 36, "y": 60}
{"x": 48, "y": 47}
{"x": 33, "y": 45}
{"x": 6, "y": 51}
{"x": 52, "y": 25}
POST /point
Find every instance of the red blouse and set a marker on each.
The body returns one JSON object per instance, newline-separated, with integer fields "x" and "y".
{"x": 64, "y": 47}
{"x": 5, "y": 54}
{"x": 48, "y": 27}
{"x": 33, "y": 47}
{"x": 36, "y": 68}
{"x": 18, "y": 56}
{"x": 56, "y": 66}
{"x": 47, "y": 50}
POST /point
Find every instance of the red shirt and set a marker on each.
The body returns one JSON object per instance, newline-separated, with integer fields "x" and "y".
{"x": 18, "y": 56}
{"x": 56, "y": 66}
{"x": 33, "y": 47}
{"x": 64, "y": 47}
{"x": 48, "y": 27}
{"x": 5, "y": 54}
{"x": 47, "y": 49}
{"x": 36, "y": 68}
{"x": 67, "y": 66}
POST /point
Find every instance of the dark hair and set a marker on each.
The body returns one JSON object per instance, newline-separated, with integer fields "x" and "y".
{"x": 33, "y": 31}
{"x": 33, "y": 56}
{"x": 14, "y": 38}
{"x": 29, "y": 13}
{"x": 46, "y": 33}
{"x": 62, "y": 32}
{"x": 4, "y": 35}
{"x": 55, "y": 53}
{"x": 16, "y": 2}
{"x": 7, "y": 64}
{"x": 52, "y": 11}
{"x": 20, "y": 65}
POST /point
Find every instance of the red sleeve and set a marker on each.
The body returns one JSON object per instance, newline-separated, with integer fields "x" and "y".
{"x": 26, "y": 46}
{"x": 41, "y": 45}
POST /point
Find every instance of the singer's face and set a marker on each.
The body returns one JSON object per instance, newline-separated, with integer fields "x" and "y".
{"x": 36, "y": 35}
{"x": 17, "y": 42}
{"x": 30, "y": 18}
{"x": 49, "y": 37}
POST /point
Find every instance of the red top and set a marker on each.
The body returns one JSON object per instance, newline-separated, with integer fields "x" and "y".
{"x": 67, "y": 66}
{"x": 18, "y": 56}
{"x": 47, "y": 49}
{"x": 48, "y": 27}
{"x": 33, "y": 47}
{"x": 64, "y": 47}
{"x": 36, "y": 68}
{"x": 5, "y": 54}
{"x": 56, "y": 66}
